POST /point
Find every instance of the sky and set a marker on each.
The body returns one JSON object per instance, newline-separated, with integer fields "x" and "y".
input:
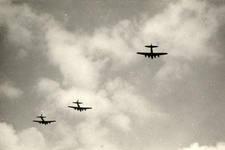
{"x": 54, "y": 52}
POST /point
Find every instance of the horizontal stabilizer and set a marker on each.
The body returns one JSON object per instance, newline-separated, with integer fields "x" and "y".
{"x": 41, "y": 116}
{"x": 151, "y": 46}
{"x": 78, "y": 102}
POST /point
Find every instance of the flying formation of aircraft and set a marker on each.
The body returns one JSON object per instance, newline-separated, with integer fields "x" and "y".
{"x": 43, "y": 121}
{"x": 79, "y": 108}
{"x": 151, "y": 53}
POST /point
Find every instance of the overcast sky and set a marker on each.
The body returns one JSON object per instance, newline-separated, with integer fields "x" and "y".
{"x": 57, "y": 51}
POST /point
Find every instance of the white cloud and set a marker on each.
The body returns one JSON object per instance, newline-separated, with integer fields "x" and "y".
{"x": 172, "y": 70}
{"x": 82, "y": 59}
{"x": 47, "y": 85}
{"x": 114, "y": 109}
{"x": 66, "y": 52}
{"x": 9, "y": 91}
{"x": 97, "y": 136}
{"x": 24, "y": 30}
{"x": 29, "y": 138}
{"x": 195, "y": 146}
{"x": 8, "y": 139}
{"x": 65, "y": 137}
{"x": 115, "y": 44}
{"x": 125, "y": 97}
{"x": 184, "y": 30}
{"x": 121, "y": 121}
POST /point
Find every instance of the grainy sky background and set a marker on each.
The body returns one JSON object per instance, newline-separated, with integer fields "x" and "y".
{"x": 57, "y": 51}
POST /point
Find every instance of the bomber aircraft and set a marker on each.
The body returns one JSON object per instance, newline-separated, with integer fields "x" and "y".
{"x": 151, "y": 53}
{"x": 79, "y": 108}
{"x": 43, "y": 121}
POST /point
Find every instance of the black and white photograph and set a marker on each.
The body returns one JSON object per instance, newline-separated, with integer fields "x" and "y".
{"x": 112, "y": 74}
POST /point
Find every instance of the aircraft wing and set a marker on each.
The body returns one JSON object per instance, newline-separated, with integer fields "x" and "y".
{"x": 50, "y": 121}
{"x": 156, "y": 54}
{"x": 151, "y": 54}
{"x": 151, "y": 46}
{"x": 84, "y": 108}
{"x": 143, "y": 53}
{"x": 37, "y": 121}
{"x": 76, "y": 108}
{"x": 79, "y": 108}
{"x": 44, "y": 122}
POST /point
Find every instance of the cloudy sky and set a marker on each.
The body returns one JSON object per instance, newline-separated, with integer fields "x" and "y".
{"x": 54, "y": 52}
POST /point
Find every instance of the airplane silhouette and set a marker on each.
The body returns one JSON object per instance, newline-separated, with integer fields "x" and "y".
{"x": 78, "y": 108}
{"x": 151, "y": 53}
{"x": 43, "y": 121}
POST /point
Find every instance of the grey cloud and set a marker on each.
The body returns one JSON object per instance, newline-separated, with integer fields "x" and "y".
{"x": 9, "y": 91}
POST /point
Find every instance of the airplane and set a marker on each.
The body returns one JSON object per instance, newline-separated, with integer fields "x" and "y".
{"x": 151, "y": 54}
{"x": 43, "y": 121}
{"x": 78, "y": 108}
